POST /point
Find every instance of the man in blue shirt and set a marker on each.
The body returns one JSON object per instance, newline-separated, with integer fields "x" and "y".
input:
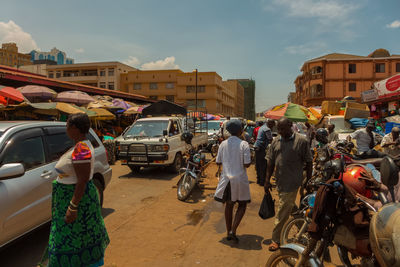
{"x": 264, "y": 138}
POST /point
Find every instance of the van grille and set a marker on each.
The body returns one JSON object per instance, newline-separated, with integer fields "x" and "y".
{"x": 137, "y": 148}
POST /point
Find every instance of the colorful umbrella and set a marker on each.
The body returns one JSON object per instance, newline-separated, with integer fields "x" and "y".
{"x": 76, "y": 97}
{"x": 132, "y": 110}
{"x": 36, "y": 91}
{"x": 117, "y": 102}
{"x": 11, "y": 93}
{"x": 291, "y": 111}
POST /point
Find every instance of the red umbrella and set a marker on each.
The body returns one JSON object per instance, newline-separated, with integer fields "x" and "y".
{"x": 3, "y": 100}
{"x": 11, "y": 93}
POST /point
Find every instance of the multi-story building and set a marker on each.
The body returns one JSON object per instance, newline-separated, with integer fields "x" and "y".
{"x": 54, "y": 55}
{"x": 98, "y": 74}
{"x": 334, "y": 76}
{"x": 9, "y": 56}
{"x": 249, "y": 86}
{"x": 237, "y": 88}
{"x": 180, "y": 87}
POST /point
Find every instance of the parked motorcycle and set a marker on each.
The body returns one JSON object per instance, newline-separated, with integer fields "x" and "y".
{"x": 375, "y": 238}
{"x": 215, "y": 145}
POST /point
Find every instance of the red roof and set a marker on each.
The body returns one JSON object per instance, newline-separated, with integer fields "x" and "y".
{"x": 14, "y": 77}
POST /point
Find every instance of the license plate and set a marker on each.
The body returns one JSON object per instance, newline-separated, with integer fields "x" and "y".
{"x": 138, "y": 158}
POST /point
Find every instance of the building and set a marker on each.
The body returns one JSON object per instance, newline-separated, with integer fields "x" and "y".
{"x": 238, "y": 89}
{"x": 97, "y": 74}
{"x": 54, "y": 55}
{"x": 292, "y": 97}
{"x": 334, "y": 76}
{"x": 249, "y": 86}
{"x": 15, "y": 78}
{"x": 9, "y": 56}
{"x": 213, "y": 96}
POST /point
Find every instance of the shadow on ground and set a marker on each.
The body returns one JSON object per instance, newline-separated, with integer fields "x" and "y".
{"x": 246, "y": 242}
{"x": 106, "y": 211}
{"x": 157, "y": 173}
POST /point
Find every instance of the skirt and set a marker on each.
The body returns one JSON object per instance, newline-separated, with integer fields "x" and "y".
{"x": 83, "y": 242}
{"x": 227, "y": 196}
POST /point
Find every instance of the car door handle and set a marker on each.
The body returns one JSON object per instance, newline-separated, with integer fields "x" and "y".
{"x": 46, "y": 174}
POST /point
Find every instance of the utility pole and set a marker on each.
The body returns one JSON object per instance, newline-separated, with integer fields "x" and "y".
{"x": 196, "y": 91}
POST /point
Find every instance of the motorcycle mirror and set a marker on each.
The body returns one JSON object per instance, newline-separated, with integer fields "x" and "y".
{"x": 389, "y": 172}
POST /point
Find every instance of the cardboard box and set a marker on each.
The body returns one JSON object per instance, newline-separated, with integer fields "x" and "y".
{"x": 356, "y": 110}
{"x": 330, "y": 107}
{"x": 356, "y": 105}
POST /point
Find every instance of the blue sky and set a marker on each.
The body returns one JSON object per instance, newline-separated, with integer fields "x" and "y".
{"x": 267, "y": 40}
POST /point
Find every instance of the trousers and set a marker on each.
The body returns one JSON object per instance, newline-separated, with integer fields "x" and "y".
{"x": 285, "y": 206}
{"x": 261, "y": 165}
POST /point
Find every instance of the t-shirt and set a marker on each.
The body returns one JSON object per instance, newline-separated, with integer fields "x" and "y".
{"x": 333, "y": 136}
{"x": 83, "y": 152}
{"x": 363, "y": 140}
{"x": 289, "y": 157}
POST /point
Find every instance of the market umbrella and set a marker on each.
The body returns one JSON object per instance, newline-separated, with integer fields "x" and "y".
{"x": 36, "y": 91}
{"x": 288, "y": 110}
{"x": 68, "y": 108}
{"x": 76, "y": 97}
{"x": 132, "y": 110}
{"x": 103, "y": 114}
{"x": 117, "y": 102}
{"x": 3, "y": 100}
{"x": 11, "y": 93}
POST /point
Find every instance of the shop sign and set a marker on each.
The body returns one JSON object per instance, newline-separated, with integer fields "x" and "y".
{"x": 370, "y": 95}
{"x": 388, "y": 87}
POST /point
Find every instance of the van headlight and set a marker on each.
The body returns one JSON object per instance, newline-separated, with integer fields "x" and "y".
{"x": 159, "y": 148}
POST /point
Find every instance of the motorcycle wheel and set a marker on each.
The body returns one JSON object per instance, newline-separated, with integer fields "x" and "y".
{"x": 344, "y": 256}
{"x": 214, "y": 150}
{"x": 282, "y": 257}
{"x": 291, "y": 228}
{"x": 185, "y": 186}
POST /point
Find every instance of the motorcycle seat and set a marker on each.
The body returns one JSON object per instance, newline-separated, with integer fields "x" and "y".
{"x": 373, "y": 161}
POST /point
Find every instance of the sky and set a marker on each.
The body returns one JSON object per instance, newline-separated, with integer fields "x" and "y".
{"x": 266, "y": 40}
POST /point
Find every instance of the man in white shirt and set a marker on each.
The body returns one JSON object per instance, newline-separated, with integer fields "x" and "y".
{"x": 365, "y": 141}
{"x": 233, "y": 186}
{"x": 391, "y": 142}
{"x": 333, "y": 136}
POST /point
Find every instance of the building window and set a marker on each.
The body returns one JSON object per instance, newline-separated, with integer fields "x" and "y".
{"x": 102, "y": 85}
{"x": 192, "y": 89}
{"x": 380, "y": 67}
{"x": 153, "y": 86}
{"x": 170, "y": 98}
{"x": 58, "y": 74}
{"x": 153, "y": 97}
{"x": 169, "y": 85}
{"x": 397, "y": 67}
{"x": 137, "y": 86}
{"x": 110, "y": 72}
{"x": 201, "y": 103}
{"x": 102, "y": 72}
{"x": 352, "y": 87}
{"x": 111, "y": 85}
{"x": 51, "y": 74}
{"x": 352, "y": 68}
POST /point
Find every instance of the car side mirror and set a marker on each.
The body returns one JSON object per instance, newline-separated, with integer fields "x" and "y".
{"x": 165, "y": 133}
{"x": 11, "y": 170}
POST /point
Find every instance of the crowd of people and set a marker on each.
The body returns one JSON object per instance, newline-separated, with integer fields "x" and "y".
{"x": 283, "y": 158}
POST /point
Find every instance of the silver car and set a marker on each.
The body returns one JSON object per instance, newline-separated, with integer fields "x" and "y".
{"x": 29, "y": 151}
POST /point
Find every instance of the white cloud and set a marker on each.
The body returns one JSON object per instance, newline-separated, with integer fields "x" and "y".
{"x": 11, "y": 32}
{"x": 80, "y": 50}
{"x": 395, "y": 24}
{"x": 306, "y": 49}
{"x": 132, "y": 61}
{"x": 167, "y": 63}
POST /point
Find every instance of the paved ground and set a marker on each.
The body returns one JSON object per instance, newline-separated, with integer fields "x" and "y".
{"x": 148, "y": 226}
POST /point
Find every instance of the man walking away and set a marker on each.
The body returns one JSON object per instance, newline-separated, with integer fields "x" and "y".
{"x": 233, "y": 186}
{"x": 391, "y": 142}
{"x": 287, "y": 154}
{"x": 333, "y": 136}
{"x": 264, "y": 138}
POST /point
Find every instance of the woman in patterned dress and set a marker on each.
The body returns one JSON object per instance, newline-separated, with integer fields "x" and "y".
{"x": 78, "y": 236}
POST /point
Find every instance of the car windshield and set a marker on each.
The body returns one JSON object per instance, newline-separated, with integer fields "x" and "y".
{"x": 213, "y": 125}
{"x": 341, "y": 126}
{"x": 147, "y": 129}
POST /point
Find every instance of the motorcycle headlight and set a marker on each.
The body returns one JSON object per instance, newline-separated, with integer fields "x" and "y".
{"x": 159, "y": 148}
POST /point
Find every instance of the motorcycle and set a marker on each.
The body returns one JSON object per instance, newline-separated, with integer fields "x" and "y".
{"x": 195, "y": 160}
{"x": 375, "y": 239}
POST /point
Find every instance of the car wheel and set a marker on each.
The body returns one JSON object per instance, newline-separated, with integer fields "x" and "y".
{"x": 176, "y": 166}
{"x": 100, "y": 190}
{"x": 134, "y": 169}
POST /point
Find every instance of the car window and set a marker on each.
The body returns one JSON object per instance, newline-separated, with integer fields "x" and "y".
{"x": 58, "y": 144}
{"x": 29, "y": 152}
{"x": 92, "y": 140}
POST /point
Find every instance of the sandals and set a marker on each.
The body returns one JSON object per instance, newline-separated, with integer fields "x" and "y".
{"x": 273, "y": 246}
{"x": 233, "y": 237}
